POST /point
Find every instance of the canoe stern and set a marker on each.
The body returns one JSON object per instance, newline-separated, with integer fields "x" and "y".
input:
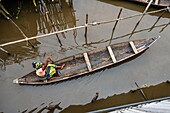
{"x": 19, "y": 80}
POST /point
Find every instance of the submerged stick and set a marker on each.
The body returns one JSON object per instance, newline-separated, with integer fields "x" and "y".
{"x": 143, "y": 14}
{"x": 143, "y": 94}
{"x": 115, "y": 25}
{"x": 95, "y": 97}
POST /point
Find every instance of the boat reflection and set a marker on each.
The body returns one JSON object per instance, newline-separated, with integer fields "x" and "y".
{"x": 133, "y": 6}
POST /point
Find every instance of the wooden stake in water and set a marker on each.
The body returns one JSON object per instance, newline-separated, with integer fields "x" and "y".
{"x": 115, "y": 25}
{"x": 85, "y": 35}
{"x": 143, "y": 14}
{"x": 143, "y": 94}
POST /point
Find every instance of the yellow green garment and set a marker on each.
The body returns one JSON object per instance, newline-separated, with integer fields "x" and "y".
{"x": 50, "y": 71}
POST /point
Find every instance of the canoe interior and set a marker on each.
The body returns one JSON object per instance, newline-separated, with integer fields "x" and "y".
{"x": 99, "y": 58}
{"x": 163, "y": 3}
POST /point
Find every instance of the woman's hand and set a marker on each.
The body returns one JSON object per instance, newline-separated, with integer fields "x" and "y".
{"x": 49, "y": 59}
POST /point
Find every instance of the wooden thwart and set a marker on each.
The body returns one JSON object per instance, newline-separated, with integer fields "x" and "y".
{"x": 156, "y": 2}
{"x": 111, "y": 54}
{"x": 133, "y": 47}
{"x": 87, "y": 61}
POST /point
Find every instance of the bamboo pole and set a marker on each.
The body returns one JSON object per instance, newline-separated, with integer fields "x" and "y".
{"x": 40, "y": 36}
{"x": 79, "y": 27}
{"x": 146, "y": 9}
{"x": 115, "y": 25}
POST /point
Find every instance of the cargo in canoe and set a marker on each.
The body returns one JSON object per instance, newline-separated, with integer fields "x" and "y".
{"x": 91, "y": 61}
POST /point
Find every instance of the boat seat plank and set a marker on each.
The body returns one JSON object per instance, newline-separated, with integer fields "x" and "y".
{"x": 133, "y": 47}
{"x": 156, "y": 2}
{"x": 87, "y": 61}
{"x": 111, "y": 54}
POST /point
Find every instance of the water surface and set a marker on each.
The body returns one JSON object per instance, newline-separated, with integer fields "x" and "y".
{"x": 150, "y": 68}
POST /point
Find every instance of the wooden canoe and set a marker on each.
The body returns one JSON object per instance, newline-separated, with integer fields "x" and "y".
{"x": 91, "y": 61}
{"x": 156, "y": 3}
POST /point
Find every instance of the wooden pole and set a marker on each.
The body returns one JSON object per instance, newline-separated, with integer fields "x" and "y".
{"x": 85, "y": 34}
{"x": 115, "y": 25}
{"x": 5, "y": 51}
{"x": 157, "y": 20}
{"x": 143, "y": 94}
{"x": 143, "y": 14}
{"x": 45, "y": 35}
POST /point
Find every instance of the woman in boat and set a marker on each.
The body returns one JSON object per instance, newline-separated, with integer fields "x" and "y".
{"x": 46, "y": 71}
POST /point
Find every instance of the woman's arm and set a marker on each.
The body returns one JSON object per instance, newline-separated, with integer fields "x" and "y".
{"x": 44, "y": 65}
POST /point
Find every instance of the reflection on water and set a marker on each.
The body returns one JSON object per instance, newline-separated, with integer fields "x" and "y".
{"x": 54, "y": 17}
{"x": 51, "y": 16}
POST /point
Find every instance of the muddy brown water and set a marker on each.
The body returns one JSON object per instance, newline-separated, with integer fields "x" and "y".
{"x": 150, "y": 68}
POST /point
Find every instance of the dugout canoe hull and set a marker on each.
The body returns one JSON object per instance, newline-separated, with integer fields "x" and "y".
{"x": 91, "y": 61}
{"x": 155, "y": 3}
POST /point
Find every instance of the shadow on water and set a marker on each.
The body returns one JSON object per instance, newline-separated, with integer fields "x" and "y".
{"x": 153, "y": 92}
{"x": 133, "y": 6}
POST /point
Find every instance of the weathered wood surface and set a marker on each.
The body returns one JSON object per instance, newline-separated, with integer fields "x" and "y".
{"x": 133, "y": 47}
{"x": 111, "y": 54}
{"x": 87, "y": 61}
{"x": 91, "y": 61}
